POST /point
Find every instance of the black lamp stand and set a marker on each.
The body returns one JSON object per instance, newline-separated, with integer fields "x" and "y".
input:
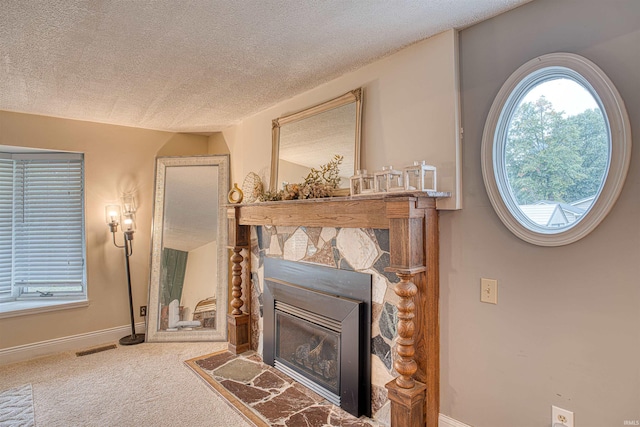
{"x": 128, "y": 251}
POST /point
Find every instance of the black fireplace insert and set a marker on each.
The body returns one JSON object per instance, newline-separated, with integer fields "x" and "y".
{"x": 317, "y": 329}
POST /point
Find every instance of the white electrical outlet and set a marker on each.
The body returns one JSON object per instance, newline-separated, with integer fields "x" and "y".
{"x": 489, "y": 291}
{"x": 561, "y": 417}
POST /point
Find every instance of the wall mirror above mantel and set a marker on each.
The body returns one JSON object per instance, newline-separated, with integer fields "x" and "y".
{"x": 312, "y": 137}
{"x": 188, "y": 282}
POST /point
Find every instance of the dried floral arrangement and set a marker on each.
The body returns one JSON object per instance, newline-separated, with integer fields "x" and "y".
{"x": 319, "y": 183}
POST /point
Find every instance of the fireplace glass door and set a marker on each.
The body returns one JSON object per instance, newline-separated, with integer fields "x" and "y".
{"x": 310, "y": 349}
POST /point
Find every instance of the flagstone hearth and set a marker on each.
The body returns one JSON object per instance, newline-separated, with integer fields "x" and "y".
{"x": 267, "y": 396}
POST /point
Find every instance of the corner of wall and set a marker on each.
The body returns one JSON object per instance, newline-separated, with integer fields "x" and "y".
{"x": 217, "y": 144}
{"x": 182, "y": 144}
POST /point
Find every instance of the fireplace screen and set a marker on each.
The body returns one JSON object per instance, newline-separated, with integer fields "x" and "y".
{"x": 310, "y": 349}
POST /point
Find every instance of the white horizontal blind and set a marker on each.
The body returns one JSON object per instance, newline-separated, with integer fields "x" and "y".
{"x": 6, "y": 226}
{"x": 49, "y": 223}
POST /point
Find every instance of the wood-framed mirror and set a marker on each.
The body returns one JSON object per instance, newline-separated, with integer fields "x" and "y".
{"x": 189, "y": 262}
{"x": 312, "y": 137}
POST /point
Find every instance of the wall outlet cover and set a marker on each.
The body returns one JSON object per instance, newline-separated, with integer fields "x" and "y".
{"x": 561, "y": 417}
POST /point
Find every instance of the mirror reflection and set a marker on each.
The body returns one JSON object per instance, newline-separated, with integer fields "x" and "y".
{"x": 189, "y": 240}
{"x": 188, "y": 261}
{"x": 312, "y": 137}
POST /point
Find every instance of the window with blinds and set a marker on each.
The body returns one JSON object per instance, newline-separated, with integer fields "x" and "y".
{"x": 6, "y": 229}
{"x": 42, "y": 248}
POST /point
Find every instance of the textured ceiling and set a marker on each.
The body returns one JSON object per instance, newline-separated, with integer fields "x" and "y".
{"x": 200, "y": 65}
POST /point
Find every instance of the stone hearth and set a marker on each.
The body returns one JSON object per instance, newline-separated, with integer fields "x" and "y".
{"x": 273, "y": 397}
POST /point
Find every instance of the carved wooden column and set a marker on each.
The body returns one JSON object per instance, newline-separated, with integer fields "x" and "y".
{"x": 406, "y": 365}
{"x": 408, "y": 243}
{"x": 406, "y": 394}
{"x": 237, "y": 320}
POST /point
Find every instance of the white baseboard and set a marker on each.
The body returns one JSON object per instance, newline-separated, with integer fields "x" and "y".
{"x": 445, "y": 421}
{"x": 59, "y": 345}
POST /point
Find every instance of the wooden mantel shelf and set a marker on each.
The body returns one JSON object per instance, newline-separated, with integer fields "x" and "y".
{"x": 412, "y": 221}
{"x": 353, "y": 212}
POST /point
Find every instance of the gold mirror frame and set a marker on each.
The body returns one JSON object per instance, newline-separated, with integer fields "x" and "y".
{"x": 354, "y": 96}
{"x": 219, "y": 285}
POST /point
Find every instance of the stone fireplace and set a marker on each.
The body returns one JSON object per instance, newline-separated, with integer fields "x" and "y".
{"x": 392, "y": 237}
{"x": 317, "y": 328}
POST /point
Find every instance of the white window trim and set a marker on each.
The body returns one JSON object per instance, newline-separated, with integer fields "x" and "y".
{"x": 30, "y": 306}
{"x": 620, "y": 155}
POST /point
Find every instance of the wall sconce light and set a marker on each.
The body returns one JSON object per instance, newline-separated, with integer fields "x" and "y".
{"x": 125, "y": 216}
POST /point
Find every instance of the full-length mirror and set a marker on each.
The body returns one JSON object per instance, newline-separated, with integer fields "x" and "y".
{"x": 312, "y": 137}
{"x": 187, "y": 289}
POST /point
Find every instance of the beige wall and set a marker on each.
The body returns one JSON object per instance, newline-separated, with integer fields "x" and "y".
{"x": 566, "y": 330}
{"x": 200, "y": 278}
{"x": 410, "y": 113}
{"x": 217, "y": 144}
{"x": 117, "y": 159}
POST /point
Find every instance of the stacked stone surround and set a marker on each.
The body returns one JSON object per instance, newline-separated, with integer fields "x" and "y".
{"x": 356, "y": 249}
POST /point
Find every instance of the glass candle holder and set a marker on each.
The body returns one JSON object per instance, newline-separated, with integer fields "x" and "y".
{"x": 388, "y": 179}
{"x": 361, "y": 183}
{"x": 129, "y": 204}
{"x": 420, "y": 177}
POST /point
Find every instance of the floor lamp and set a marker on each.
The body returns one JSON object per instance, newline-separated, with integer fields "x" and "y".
{"x": 128, "y": 228}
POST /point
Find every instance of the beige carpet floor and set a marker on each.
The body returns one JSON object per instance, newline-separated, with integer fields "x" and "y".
{"x": 141, "y": 385}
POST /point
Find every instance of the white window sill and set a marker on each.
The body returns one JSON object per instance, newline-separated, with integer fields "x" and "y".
{"x": 26, "y": 307}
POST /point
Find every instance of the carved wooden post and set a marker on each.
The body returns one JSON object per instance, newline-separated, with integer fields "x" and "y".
{"x": 406, "y": 238}
{"x": 406, "y": 394}
{"x": 237, "y": 320}
{"x": 406, "y": 365}
{"x": 236, "y": 281}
